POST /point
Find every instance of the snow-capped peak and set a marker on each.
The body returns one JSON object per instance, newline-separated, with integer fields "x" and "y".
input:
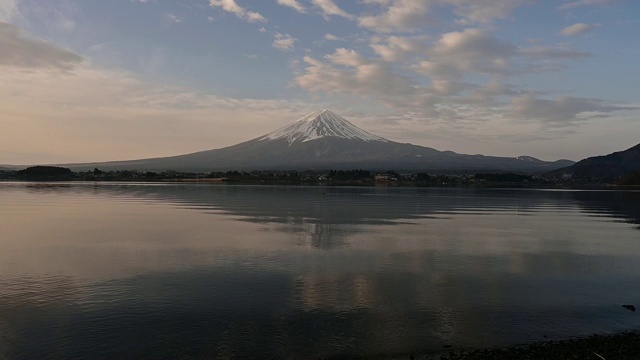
{"x": 319, "y": 124}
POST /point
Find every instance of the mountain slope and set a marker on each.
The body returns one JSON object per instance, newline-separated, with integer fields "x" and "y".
{"x": 323, "y": 123}
{"x": 324, "y": 140}
{"x": 603, "y": 167}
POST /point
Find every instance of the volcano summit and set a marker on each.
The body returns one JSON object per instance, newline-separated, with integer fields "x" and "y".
{"x": 319, "y": 124}
{"x": 325, "y": 140}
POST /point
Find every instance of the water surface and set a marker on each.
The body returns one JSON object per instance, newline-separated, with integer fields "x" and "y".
{"x": 165, "y": 271}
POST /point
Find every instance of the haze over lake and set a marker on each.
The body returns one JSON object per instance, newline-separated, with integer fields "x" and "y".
{"x": 169, "y": 271}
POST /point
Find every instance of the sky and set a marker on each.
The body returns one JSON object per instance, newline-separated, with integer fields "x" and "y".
{"x": 96, "y": 80}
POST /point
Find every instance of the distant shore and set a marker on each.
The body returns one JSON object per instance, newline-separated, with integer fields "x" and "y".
{"x": 223, "y": 181}
{"x": 621, "y": 346}
{"x": 354, "y": 177}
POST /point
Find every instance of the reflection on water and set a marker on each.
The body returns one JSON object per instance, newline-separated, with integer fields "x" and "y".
{"x": 192, "y": 271}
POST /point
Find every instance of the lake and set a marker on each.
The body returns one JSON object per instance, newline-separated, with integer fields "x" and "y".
{"x": 197, "y": 271}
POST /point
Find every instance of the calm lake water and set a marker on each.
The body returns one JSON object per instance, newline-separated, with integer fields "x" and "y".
{"x": 171, "y": 271}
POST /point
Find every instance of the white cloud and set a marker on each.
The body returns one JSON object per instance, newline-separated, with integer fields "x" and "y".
{"x": 233, "y": 7}
{"x": 444, "y": 87}
{"x": 173, "y": 19}
{"x": 294, "y": 4}
{"x": 348, "y": 72}
{"x": 284, "y": 42}
{"x": 255, "y": 17}
{"x": 461, "y": 53}
{"x": 23, "y": 52}
{"x": 329, "y": 8}
{"x": 578, "y": 29}
{"x": 459, "y": 76}
{"x": 397, "y": 48}
{"x": 332, "y": 37}
{"x": 8, "y": 9}
{"x": 400, "y": 15}
{"x": 574, "y": 4}
{"x": 412, "y": 15}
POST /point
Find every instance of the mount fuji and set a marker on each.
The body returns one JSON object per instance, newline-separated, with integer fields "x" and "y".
{"x": 325, "y": 140}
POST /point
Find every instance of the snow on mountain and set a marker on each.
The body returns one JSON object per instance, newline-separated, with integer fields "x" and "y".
{"x": 320, "y": 124}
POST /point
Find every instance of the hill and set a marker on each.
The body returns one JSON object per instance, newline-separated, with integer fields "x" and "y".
{"x": 602, "y": 168}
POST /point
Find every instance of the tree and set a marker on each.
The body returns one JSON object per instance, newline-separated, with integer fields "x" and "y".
{"x": 45, "y": 173}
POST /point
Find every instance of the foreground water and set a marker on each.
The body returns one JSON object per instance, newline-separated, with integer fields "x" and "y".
{"x": 165, "y": 271}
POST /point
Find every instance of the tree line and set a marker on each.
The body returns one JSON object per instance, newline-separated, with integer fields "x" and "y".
{"x": 332, "y": 176}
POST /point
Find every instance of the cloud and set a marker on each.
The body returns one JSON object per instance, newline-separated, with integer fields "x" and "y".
{"x": 347, "y": 72}
{"x": 541, "y": 59}
{"x": 459, "y": 76}
{"x": 332, "y": 37}
{"x": 173, "y": 19}
{"x": 294, "y": 4}
{"x": 580, "y": 3}
{"x": 400, "y": 15}
{"x": 462, "y": 74}
{"x": 578, "y": 29}
{"x": 559, "y": 52}
{"x": 23, "y": 52}
{"x": 412, "y": 15}
{"x": 460, "y": 53}
{"x": 233, "y": 7}
{"x": 396, "y": 48}
{"x": 329, "y": 8}
{"x": 562, "y": 110}
{"x": 284, "y": 42}
{"x": 8, "y": 9}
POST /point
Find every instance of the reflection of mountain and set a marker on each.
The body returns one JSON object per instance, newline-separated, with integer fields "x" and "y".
{"x": 325, "y": 217}
{"x": 319, "y": 235}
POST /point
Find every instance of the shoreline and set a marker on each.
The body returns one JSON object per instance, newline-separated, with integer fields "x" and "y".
{"x": 618, "y": 346}
{"x": 223, "y": 181}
